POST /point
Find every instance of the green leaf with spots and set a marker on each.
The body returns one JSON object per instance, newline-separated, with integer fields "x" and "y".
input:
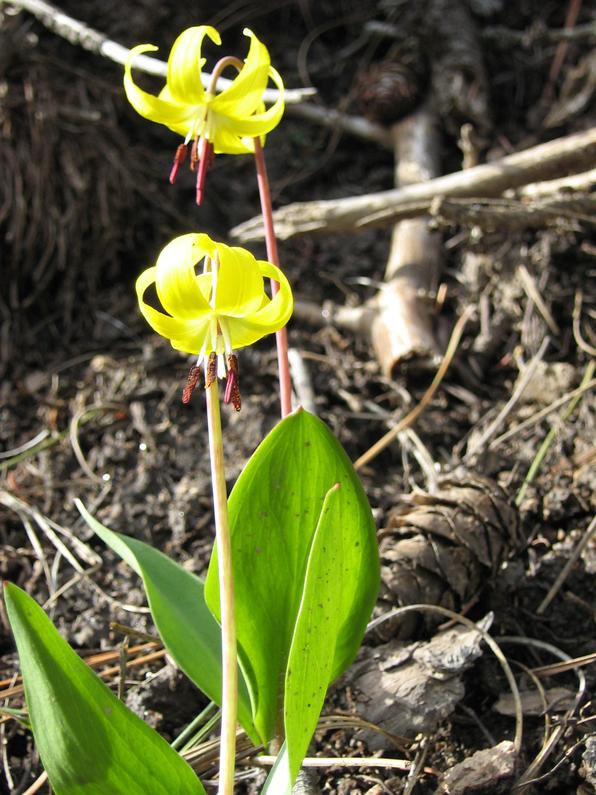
{"x": 88, "y": 741}
{"x": 306, "y": 575}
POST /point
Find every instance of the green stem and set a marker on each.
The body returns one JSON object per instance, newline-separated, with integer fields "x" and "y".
{"x": 281, "y": 336}
{"x": 229, "y": 697}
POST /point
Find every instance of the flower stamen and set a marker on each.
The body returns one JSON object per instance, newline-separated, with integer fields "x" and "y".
{"x": 179, "y": 159}
{"x": 232, "y": 391}
{"x": 211, "y": 369}
{"x": 205, "y": 157}
{"x": 191, "y": 382}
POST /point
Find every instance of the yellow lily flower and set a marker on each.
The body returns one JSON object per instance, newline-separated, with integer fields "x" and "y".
{"x": 227, "y": 122}
{"x": 215, "y": 312}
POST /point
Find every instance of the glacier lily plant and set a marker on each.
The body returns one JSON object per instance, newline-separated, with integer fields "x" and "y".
{"x": 212, "y": 314}
{"x": 294, "y": 572}
{"x": 227, "y": 122}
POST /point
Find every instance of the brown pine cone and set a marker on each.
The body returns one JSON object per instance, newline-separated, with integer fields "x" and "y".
{"x": 441, "y": 547}
{"x": 391, "y": 89}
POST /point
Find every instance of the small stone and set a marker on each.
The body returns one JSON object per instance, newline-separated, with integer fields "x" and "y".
{"x": 486, "y": 771}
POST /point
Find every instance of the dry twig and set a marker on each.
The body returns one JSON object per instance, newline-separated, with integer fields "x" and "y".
{"x": 572, "y": 153}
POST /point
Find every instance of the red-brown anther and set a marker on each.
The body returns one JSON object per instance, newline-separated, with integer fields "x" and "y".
{"x": 179, "y": 159}
{"x": 205, "y": 159}
{"x": 210, "y": 370}
{"x": 191, "y": 382}
{"x": 232, "y": 393}
{"x": 194, "y": 154}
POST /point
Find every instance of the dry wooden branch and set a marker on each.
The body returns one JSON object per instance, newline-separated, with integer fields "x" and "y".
{"x": 402, "y": 328}
{"x": 551, "y": 160}
{"x": 81, "y": 35}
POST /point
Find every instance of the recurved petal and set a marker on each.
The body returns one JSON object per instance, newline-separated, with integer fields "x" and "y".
{"x": 258, "y": 123}
{"x": 270, "y": 318}
{"x": 176, "y": 281}
{"x": 185, "y": 64}
{"x": 164, "y": 111}
{"x": 239, "y": 290}
{"x": 244, "y": 95}
{"x": 184, "y": 335}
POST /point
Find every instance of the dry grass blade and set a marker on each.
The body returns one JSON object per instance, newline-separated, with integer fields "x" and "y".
{"x": 523, "y": 382}
{"x": 529, "y": 775}
{"x": 491, "y": 643}
{"x": 74, "y": 433}
{"x": 96, "y": 661}
{"x": 556, "y": 586}
{"x": 540, "y": 415}
{"x": 37, "y": 784}
{"x": 570, "y": 665}
{"x": 413, "y": 415}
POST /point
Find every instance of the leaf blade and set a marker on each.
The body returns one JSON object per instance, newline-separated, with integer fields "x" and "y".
{"x": 89, "y": 742}
{"x": 185, "y": 624}
{"x": 274, "y": 511}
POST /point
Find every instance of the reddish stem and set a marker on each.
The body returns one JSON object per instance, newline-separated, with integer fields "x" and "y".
{"x": 281, "y": 336}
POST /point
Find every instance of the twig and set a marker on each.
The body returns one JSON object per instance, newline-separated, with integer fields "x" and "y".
{"x": 577, "y": 334}
{"x": 402, "y": 327}
{"x": 556, "y": 586}
{"x": 523, "y": 382}
{"x": 88, "y": 38}
{"x": 575, "y": 152}
{"x": 37, "y": 784}
{"x": 540, "y": 415}
{"x": 413, "y": 415}
{"x": 534, "y": 294}
{"x": 334, "y": 761}
{"x": 357, "y": 126}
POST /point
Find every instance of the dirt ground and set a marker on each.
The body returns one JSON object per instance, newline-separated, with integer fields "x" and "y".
{"x": 90, "y": 399}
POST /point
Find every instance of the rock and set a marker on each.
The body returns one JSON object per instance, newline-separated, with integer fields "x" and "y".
{"x": 549, "y": 382}
{"x": 407, "y": 689}
{"x": 488, "y": 771}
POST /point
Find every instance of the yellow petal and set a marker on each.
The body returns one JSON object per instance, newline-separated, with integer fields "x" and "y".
{"x": 176, "y": 281}
{"x": 229, "y": 143}
{"x": 147, "y": 105}
{"x": 258, "y": 123}
{"x": 244, "y": 95}
{"x": 270, "y": 318}
{"x": 184, "y": 335}
{"x": 185, "y": 64}
{"x": 239, "y": 289}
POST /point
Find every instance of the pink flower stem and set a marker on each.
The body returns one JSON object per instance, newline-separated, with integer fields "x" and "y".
{"x": 281, "y": 336}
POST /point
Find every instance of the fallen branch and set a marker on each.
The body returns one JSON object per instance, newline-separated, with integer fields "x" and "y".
{"x": 402, "y": 326}
{"x": 81, "y": 35}
{"x": 551, "y": 160}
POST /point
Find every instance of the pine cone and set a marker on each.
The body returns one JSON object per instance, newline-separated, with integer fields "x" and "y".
{"x": 391, "y": 89}
{"x": 442, "y": 547}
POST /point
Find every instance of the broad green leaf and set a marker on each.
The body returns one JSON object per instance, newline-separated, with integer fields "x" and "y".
{"x": 89, "y": 742}
{"x": 177, "y": 603}
{"x": 275, "y": 508}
